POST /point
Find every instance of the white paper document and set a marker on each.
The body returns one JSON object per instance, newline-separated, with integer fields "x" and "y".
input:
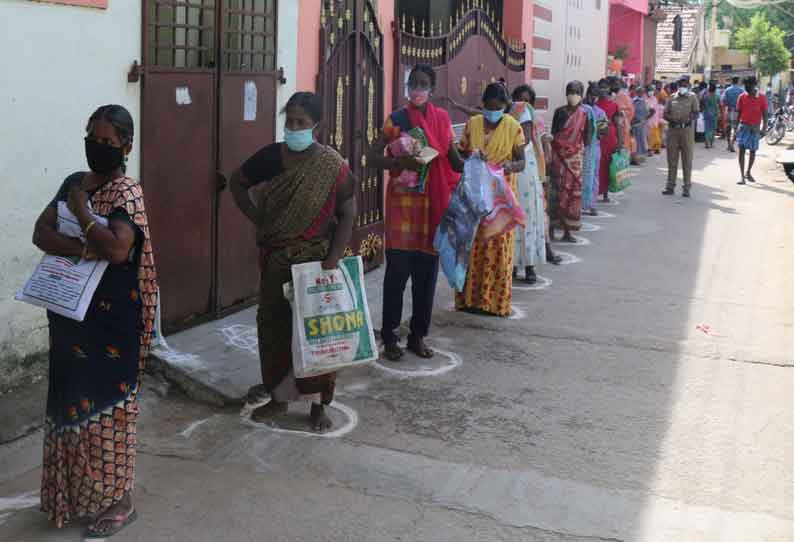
{"x": 65, "y": 285}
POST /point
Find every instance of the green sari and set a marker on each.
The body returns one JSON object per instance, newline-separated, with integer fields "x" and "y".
{"x": 296, "y": 211}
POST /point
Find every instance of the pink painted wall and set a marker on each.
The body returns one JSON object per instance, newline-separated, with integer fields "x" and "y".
{"x": 626, "y": 27}
{"x": 309, "y": 44}
{"x": 517, "y": 21}
{"x": 636, "y": 5}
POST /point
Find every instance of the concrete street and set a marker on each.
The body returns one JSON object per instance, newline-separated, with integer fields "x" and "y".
{"x": 645, "y": 395}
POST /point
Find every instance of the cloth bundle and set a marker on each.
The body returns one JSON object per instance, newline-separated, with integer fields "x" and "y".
{"x": 482, "y": 200}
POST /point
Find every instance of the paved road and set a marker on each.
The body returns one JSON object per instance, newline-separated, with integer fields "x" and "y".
{"x": 644, "y": 396}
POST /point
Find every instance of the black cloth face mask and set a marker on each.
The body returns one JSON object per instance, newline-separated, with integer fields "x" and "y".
{"x": 103, "y": 159}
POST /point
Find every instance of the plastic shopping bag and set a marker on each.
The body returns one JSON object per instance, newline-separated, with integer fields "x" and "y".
{"x": 470, "y": 202}
{"x": 619, "y": 171}
{"x": 701, "y": 124}
{"x": 331, "y": 326}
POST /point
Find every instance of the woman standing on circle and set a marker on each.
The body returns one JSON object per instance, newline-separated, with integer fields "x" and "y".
{"x": 500, "y": 140}
{"x": 304, "y": 211}
{"x": 95, "y": 365}
{"x": 412, "y": 217}
{"x": 530, "y": 245}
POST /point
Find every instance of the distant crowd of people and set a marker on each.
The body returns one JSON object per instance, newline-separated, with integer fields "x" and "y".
{"x": 677, "y": 114}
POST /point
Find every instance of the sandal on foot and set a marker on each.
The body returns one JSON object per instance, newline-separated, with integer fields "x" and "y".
{"x": 392, "y": 352}
{"x": 418, "y": 347}
{"x": 119, "y": 522}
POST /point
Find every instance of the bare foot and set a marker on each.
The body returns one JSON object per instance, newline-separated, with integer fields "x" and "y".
{"x": 319, "y": 420}
{"x": 112, "y": 520}
{"x": 267, "y": 412}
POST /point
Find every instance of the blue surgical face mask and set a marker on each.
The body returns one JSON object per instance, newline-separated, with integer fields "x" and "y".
{"x": 298, "y": 140}
{"x": 493, "y": 116}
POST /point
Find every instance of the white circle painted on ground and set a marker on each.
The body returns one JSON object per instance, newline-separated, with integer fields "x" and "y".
{"x": 541, "y": 284}
{"x": 587, "y": 227}
{"x": 517, "y": 313}
{"x": 347, "y": 427}
{"x": 454, "y": 361}
{"x": 568, "y": 258}
{"x": 580, "y": 242}
{"x": 602, "y": 214}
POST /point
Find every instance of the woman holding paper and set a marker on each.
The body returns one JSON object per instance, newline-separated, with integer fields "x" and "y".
{"x": 90, "y": 438}
{"x": 500, "y": 140}
{"x": 304, "y": 210}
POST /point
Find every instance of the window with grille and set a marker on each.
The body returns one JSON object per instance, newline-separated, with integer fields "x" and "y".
{"x": 181, "y": 33}
{"x": 249, "y": 36}
{"x": 678, "y": 33}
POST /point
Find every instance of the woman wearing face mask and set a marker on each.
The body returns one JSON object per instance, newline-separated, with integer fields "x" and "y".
{"x": 96, "y": 364}
{"x": 626, "y": 107}
{"x": 592, "y": 159}
{"x": 303, "y": 210}
{"x": 412, "y": 217}
{"x": 612, "y": 141}
{"x": 530, "y": 242}
{"x": 654, "y": 122}
{"x": 571, "y": 128}
{"x": 499, "y": 139}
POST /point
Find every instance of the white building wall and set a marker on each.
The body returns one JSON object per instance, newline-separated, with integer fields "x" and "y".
{"x": 287, "y": 57}
{"x": 578, "y": 33}
{"x": 59, "y": 63}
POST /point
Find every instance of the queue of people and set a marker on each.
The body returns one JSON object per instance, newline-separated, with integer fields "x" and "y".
{"x": 300, "y": 196}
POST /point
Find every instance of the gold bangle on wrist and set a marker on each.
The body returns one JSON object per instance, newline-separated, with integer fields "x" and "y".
{"x": 90, "y": 225}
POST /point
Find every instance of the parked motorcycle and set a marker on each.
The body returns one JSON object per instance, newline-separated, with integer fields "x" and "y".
{"x": 781, "y": 121}
{"x": 786, "y": 159}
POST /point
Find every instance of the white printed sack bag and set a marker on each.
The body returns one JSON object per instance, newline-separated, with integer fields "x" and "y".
{"x": 331, "y": 324}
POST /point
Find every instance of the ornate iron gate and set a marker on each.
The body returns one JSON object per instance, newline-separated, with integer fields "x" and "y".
{"x": 471, "y": 54}
{"x": 351, "y": 86}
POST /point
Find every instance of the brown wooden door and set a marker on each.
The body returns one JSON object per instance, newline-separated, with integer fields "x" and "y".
{"x": 200, "y": 57}
{"x": 248, "y": 80}
{"x": 351, "y": 85}
{"x": 178, "y": 155}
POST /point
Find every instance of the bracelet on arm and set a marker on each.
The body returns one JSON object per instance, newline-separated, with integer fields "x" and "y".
{"x": 90, "y": 225}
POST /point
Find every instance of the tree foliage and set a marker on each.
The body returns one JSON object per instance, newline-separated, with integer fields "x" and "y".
{"x": 780, "y": 15}
{"x": 764, "y": 40}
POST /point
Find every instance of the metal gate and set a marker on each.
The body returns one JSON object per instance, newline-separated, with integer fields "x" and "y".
{"x": 468, "y": 56}
{"x": 209, "y": 92}
{"x": 351, "y": 84}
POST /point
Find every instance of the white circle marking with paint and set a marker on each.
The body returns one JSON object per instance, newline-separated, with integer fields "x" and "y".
{"x": 568, "y": 258}
{"x": 542, "y": 284}
{"x": 580, "y": 242}
{"x": 352, "y": 422}
{"x": 587, "y": 227}
{"x": 455, "y": 362}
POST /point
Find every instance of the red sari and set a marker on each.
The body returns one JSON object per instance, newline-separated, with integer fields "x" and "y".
{"x": 413, "y": 217}
{"x": 568, "y": 154}
{"x": 609, "y": 144}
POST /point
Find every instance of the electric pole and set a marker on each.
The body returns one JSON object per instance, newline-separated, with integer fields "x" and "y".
{"x": 712, "y": 40}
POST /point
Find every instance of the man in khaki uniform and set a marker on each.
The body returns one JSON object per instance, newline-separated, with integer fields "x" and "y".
{"x": 681, "y": 113}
